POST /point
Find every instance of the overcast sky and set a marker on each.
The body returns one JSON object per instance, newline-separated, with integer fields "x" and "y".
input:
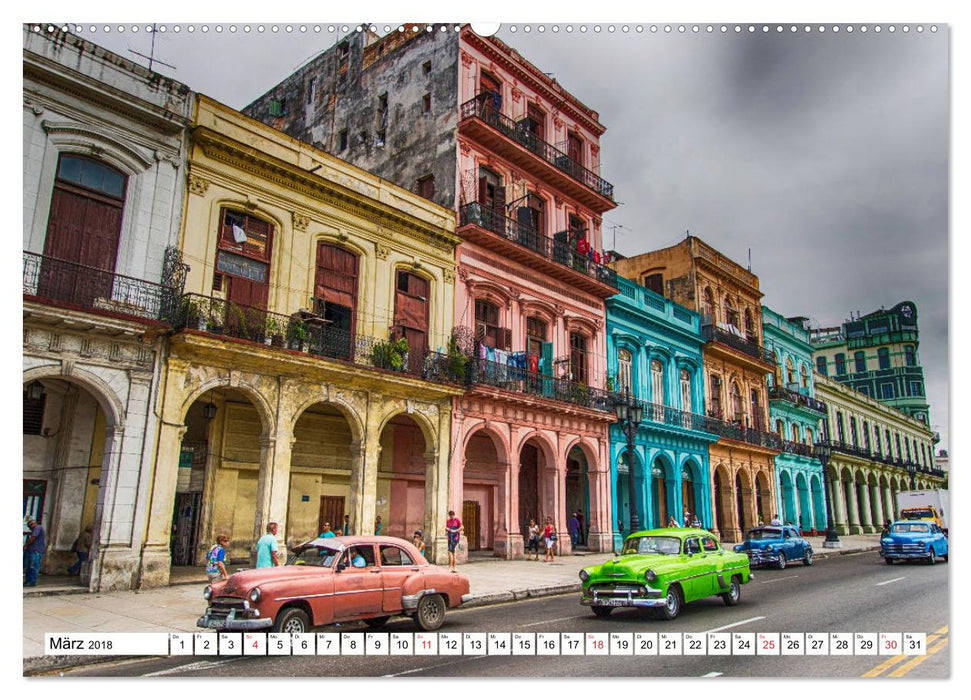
{"x": 826, "y": 154}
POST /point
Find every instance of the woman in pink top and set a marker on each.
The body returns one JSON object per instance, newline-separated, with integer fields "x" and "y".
{"x": 549, "y": 537}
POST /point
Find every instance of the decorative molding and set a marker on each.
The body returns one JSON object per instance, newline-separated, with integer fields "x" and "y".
{"x": 467, "y": 60}
{"x": 465, "y": 148}
{"x": 382, "y": 251}
{"x": 198, "y": 185}
{"x": 594, "y": 150}
{"x": 448, "y": 276}
{"x": 517, "y": 94}
{"x": 557, "y": 123}
{"x": 300, "y": 221}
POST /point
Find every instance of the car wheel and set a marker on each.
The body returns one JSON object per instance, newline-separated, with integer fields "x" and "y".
{"x": 376, "y": 622}
{"x": 782, "y": 561}
{"x": 734, "y": 593}
{"x": 807, "y": 558}
{"x": 944, "y": 557}
{"x": 672, "y": 603}
{"x": 888, "y": 560}
{"x": 431, "y": 613}
{"x": 932, "y": 558}
{"x": 601, "y": 610}
{"x": 292, "y": 621}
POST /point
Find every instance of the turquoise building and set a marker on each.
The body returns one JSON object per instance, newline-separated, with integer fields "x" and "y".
{"x": 654, "y": 352}
{"x": 795, "y": 414}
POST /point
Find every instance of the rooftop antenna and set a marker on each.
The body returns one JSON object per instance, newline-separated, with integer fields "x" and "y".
{"x": 151, "y": 58}
{"x": 749, "y": 259}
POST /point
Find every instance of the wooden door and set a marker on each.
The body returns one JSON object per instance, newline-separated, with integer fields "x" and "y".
{"x": 335, "y": 284}
{"x": 471, "y": 522}
{"x": 331, "y": 511}
{"x": 411, "y": 316}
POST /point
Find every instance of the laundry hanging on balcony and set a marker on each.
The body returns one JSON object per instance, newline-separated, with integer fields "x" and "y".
{"x": 239, "y": 234}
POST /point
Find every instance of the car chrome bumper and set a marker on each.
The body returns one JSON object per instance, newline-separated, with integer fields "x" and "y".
{"x": 231, "y": 623}
{"x": 906, "y": 555}
{"x": 654, "y": 599}
{"x": 756, "y": 559}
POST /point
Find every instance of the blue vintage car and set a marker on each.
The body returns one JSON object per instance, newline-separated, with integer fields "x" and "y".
{"x": 777, "y": 545}
{"x": 913, "y": 539}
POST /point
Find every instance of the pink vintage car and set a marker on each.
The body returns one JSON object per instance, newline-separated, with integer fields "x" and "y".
{"x": 337, "y": 579}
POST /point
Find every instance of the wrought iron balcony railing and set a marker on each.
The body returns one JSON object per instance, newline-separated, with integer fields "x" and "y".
{"x": 483, "y": 107}
{"x": 90, "y": 289}
{"x": 794, "y": 397}
{"x": 713, "y": 333}
{"x": 314, "y": 336}
{"x": 797, "y": 448}
{"x": 668, "y": 415}
{"x": 528, "y": 237}
{"x": 735, "y": 430}
{"x": 520, "y": 380}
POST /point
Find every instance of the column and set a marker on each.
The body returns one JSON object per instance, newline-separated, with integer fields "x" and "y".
{"x": 866, "y": 514}
{"x": 156, "y": 558}
{"x": 600, "y": 517}
{"x": 852, "y": 506}
{"x": 103, "y": 577}
{"x": 437, "y": 470}
{"x": 840, "y": 519}
{"x": 877, "y": 501}
{"x": 564, "y": 545}
{"x": 888, "y": 504}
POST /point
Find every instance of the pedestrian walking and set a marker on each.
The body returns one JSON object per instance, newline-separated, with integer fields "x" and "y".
{"x": 82, "y": 548}
{"x": 695, "y": 521}
{"x": 775, "y": 520}
{"x": 267, "y": 552}
{"x": 573, "y": 527}
{"x": 34, "y": 547}
{"x": 672, "y": 522}
{"x": 327, "y": 532}
{"x": 453, "y": 531}
{"x": 377, "y": 525}
{"x": 346, "y": 529}
{"x": 216, "y": 559}
{"x": 581, "y": 530}
{"x": 549, "y": 538}
{"x": 418, "y": 540}
{"x": 533, "y": 541}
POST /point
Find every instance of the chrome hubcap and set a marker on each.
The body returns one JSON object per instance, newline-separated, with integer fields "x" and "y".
{"x": 672, "y": 602}
{"x": 294, "y": 626}
{"x": 430, "y": 610}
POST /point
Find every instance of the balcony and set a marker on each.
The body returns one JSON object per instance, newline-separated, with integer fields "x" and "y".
{"x": 763, "y": 358}
{"x": 314, "y": 336}
{"x": 735, "y": 430}
{"x": 522, "y": 381}
{"x": 480, "y": 120}
{"x": 69, "y": 284}
{"x": 667, "y": 415}
{"x": 797, "y": 448}
{"x": 779, "y": 393}
{"x": 508, "y": 238}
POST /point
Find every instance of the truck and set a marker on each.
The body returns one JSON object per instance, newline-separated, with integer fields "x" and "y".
{"x": 923, "y": 505}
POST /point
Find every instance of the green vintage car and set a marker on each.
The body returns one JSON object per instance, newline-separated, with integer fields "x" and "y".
{"x": 664, "y": 569}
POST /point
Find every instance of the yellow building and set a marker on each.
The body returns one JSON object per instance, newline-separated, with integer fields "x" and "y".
{"x": 308, "y": 377}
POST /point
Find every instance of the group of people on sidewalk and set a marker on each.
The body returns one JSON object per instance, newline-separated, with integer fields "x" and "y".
{"x": 35, "y": 545}
{"x": 548, "y": 536}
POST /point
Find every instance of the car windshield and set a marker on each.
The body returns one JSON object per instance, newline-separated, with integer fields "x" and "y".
{"x": 765, "y": 534}
{"x": 917, "y": 513}
{"x": 652, "y": 545}
{"x": 314, "y": 554}
{"x": 910, "y": 527}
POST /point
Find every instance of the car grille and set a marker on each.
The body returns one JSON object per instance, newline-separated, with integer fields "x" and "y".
{"x": 618, "y": 590}
{"x": 219, "y": 608}
{"x": 904, "y": 548}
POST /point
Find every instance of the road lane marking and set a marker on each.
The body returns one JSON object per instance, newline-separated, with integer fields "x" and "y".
{"x": 558, "y": 619}
{"x": 893, "y": 580}
{"x": 713, "y": 674}
{"x": 195, "y": 666}
{"x": 735, "y": 624}
{"x": 918, "y": 660}
{"x": 436, "y": 666}
{"x": 779, "y": 579}
{"x": 894, "y": 660}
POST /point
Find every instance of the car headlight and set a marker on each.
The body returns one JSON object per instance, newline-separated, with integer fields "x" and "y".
{"x": 650, "y": 575}
{"x": 207, "y": 594}
{"x": 739, "y": 548}
{"x": 584, "y": 575}
{"x": 254, "y": 595}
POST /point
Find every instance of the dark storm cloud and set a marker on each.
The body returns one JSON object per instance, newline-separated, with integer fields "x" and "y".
{"x": 825, "y": 154}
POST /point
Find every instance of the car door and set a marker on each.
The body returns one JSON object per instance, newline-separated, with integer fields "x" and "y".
{"x": 789, "y": 544}
{"x": 357, "y": 589}
{"x": 396, "y": 567}
{"x": 697, "y": 568}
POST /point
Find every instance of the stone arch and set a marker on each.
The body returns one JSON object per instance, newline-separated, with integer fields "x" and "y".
{"x": 499, "y": 441}
{"x": 589, "y": 451}
{"x": 744, "y": 491}
{"x": 77, "y": 139}
{"x": 263, "y": 408}
{"x": 723, "y": 485}
{"x": 804, "y": 502}
{"x": 545, "y": 444}
{"x": 788, "y": 493}
{"x": 428, "y": 430}
{"x": 345, "y": 408}
{"x": 693, "y": 489}
{"x": 110, "y": 402}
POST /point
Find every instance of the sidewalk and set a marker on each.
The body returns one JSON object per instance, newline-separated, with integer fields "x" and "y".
{"x": 177, "y": 607}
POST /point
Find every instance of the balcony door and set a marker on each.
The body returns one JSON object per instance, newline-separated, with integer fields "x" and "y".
{"x": 243, "y": 259}
{"x": 411, "y": 315}
{"x": 83, "y": 227}
{"x": 335, "y": 289}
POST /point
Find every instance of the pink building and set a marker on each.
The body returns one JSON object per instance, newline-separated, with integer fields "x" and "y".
{"x": 530, "y": 438}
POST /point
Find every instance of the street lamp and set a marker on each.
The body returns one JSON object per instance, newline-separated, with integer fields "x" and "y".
{"x": 912, "y": 469}
{"x": 822, "y": 452}
{"x": 629, "y": 414}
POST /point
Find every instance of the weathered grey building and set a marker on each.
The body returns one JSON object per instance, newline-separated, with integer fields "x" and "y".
{"x": 388, "y": 105}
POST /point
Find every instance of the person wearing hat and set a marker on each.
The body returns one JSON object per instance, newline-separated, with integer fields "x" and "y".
{"x": 419, "y": 543}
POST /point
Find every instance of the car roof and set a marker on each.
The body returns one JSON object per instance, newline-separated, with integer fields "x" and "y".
{"x": 680, "y": 532}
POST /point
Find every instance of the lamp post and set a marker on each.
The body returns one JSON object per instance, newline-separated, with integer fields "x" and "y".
{"x": 629, "y": 414}
{"x": 912, "y": 469}
{"x": 822, "y": 452}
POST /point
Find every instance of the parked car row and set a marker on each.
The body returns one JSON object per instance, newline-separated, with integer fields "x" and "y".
{"x": 341, "y": 579}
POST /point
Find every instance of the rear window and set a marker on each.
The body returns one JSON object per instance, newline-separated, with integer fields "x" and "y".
{"x": 910, "y": 527}
{"x": 764, "y": 534}
{"x": 393, "y": 556}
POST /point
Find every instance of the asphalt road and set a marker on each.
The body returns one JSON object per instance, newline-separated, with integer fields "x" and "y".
{"x": 853, "y": 593}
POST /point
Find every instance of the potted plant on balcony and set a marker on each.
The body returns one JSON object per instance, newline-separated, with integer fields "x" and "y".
{"x": 390, "y": 354}
{"x": 456, "y": 361}
{"x": 297, "y": 335}
{"x": 192, "y": 314}
{"x": 272, "y": 332}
